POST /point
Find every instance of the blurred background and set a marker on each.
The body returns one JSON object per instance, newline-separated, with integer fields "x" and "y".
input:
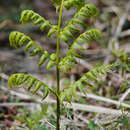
{"x": 19, "y": 110}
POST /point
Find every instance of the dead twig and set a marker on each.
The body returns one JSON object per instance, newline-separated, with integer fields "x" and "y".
{"x": 74, "y": 106}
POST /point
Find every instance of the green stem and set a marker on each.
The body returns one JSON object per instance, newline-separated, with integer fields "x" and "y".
{"x": 57, "y": 63}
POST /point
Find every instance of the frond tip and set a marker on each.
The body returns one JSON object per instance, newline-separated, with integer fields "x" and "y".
{"x": 31, "y": 82}
{"x": 18, "y": 39}
{"x": 29, "y": 15}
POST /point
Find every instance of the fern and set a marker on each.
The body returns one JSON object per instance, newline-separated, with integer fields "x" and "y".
{"x": 68, "y": 62}
{"x": 29, "y": 15}
{"x": 30, "y": 81}
{"x": 18, "y": 39}
{"x": 86, "y": 37}
{"x": 72, "y": 34}
{"x": 90, "y": 78}
{"x": 87, "y": 11}
{"x": 94, "y": 75}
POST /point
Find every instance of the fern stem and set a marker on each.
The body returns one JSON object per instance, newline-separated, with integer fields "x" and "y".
{"x": 57, "y": 64}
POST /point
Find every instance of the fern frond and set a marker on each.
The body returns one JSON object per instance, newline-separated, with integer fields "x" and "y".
{"x": 94, "y": 75}
{"x": 31, "y": 82}
{"x": 68, "y": 62}
{"x": 90, "y": 79}
{"x": 86, "y": 37}
{"x": 74, "y": 3}
{"x": 18, "y": 39}
{"x": 87, "y": 11}
{"x": 31, "y": 16}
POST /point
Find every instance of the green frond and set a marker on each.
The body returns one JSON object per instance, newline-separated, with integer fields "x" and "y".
{"x": 31, "y": 16}
{"x": 74, "y": 3}
{"x": 18, "y": 39}
{"x": 32, "y": 83}
{"x": 86, "y": 37}
{"x": 94, "y": 75}
{"x": 87, "y": 11}
{"x": 68, "y": 62}
{"x": 90, "y": 79}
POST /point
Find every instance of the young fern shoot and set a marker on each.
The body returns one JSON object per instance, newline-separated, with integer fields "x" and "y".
{"x": 63, "y": 64}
